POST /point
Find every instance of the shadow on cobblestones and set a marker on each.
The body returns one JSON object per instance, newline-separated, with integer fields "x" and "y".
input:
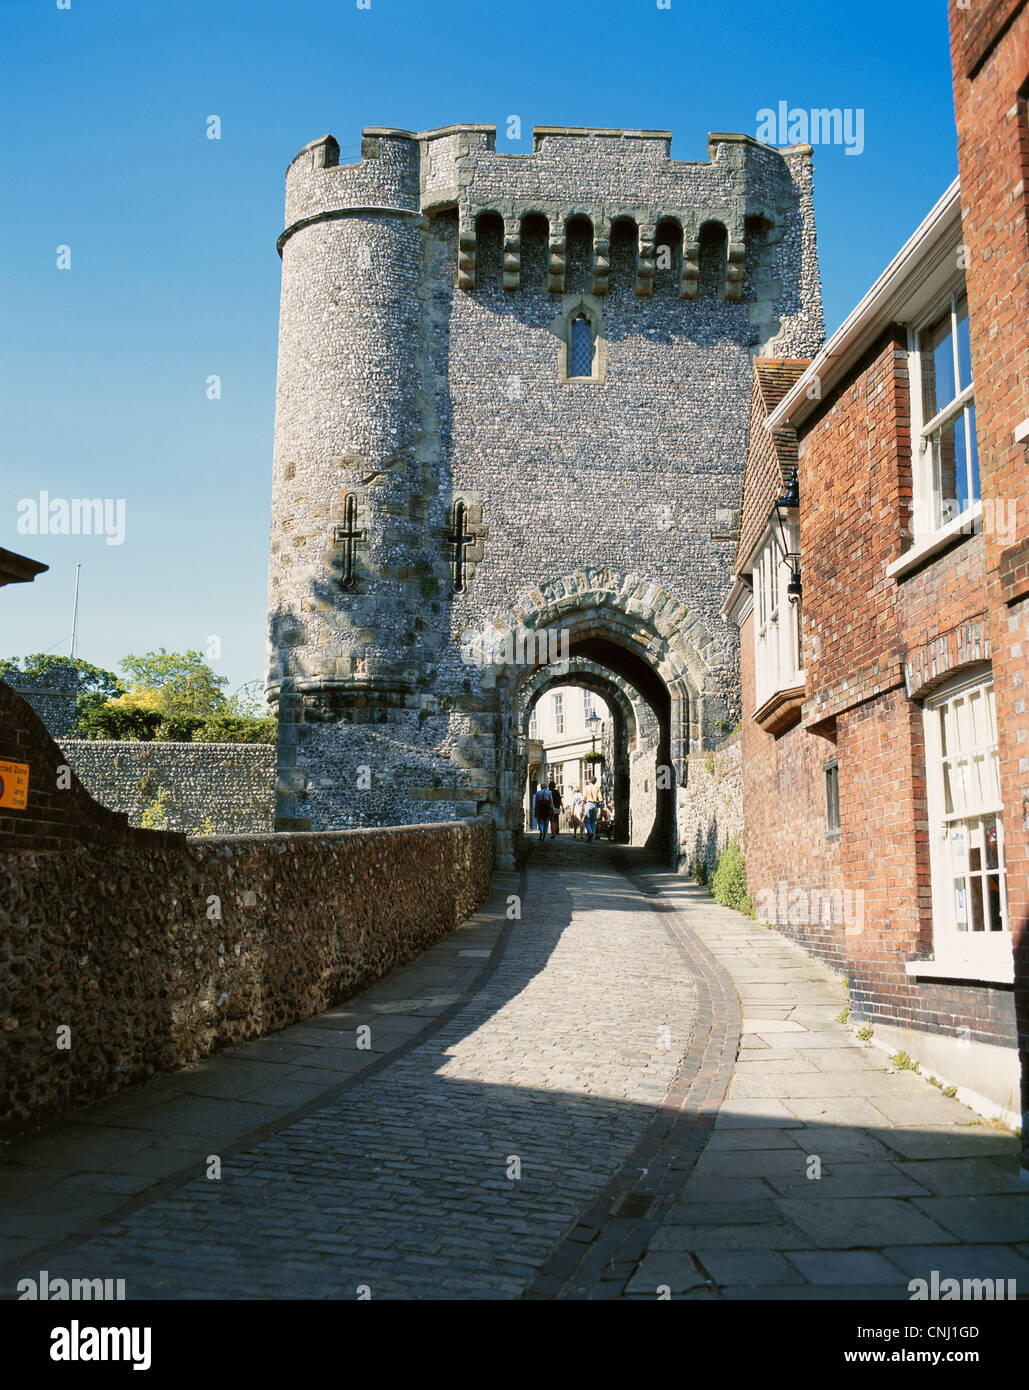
{"x": 498, "y": 1102}
{"x": 554, "y": 1104}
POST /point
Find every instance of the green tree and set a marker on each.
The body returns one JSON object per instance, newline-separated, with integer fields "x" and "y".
{"x": 94, "y": 685}
{"x": 181, "y": 682}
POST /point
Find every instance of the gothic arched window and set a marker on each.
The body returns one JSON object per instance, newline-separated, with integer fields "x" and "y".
{"x": 579, "y": 330}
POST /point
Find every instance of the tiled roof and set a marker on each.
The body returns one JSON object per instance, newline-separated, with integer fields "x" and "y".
{"x": 776, "y": 375}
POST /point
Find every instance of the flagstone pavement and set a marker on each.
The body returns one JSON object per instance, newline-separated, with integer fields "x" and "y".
{"x": 626, "y": 1091}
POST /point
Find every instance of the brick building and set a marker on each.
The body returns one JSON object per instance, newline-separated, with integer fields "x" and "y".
{"x": 883, "y": 610}
{"x": 990, "y": 55}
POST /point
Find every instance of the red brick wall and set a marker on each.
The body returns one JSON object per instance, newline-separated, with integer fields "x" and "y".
{"x": 990, "y": 52}
{"x": 885, "y": 855}
{"x": 942, "y": 595}
{"x": 791, "y": 861}
{"x": 855, "y": 490}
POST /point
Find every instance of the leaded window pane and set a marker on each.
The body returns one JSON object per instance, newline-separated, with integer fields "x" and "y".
{"x": 582, "y": 348}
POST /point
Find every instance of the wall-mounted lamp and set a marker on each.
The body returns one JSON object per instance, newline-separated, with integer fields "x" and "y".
{"x": 781, "y": 516}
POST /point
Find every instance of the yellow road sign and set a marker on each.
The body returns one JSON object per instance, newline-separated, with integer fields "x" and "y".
{"x": 14, "y": 785}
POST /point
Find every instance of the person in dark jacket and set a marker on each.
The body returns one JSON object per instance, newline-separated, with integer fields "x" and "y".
{"x": 542, "y": 811}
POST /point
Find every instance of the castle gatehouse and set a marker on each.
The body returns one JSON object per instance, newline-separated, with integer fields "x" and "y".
{"x": 512, "y": 410}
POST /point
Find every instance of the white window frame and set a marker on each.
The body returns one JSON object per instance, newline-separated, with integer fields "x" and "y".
{"x": 928, "y": 522}
{"x": 960, "y": 951}
{"x": 559, "y": 714}
{"x": 778, "y": 650}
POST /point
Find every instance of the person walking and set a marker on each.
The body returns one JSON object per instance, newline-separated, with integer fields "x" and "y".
{"x": 542, "y": 810}
{"x": 575, "y": 815}
{"x": 591, "y": 806}
{"x": 556, "y": 803}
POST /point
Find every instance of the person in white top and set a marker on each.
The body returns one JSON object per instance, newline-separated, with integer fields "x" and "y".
{"x": 576, "y": 812}
{"x": 591, "y": 807}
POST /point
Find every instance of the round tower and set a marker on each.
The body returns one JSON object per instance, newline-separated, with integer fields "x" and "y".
{"x": 342, "y": 655}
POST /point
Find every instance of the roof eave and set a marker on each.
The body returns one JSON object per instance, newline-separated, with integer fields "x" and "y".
{"x": 867, "y": 319}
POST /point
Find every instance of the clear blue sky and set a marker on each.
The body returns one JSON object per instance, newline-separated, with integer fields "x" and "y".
{"x": 174, "y": 274}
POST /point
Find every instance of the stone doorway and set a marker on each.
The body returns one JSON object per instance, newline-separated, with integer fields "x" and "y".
{"x": 640, "y": 674}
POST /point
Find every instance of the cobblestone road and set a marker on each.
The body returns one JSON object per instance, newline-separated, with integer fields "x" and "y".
{"x": 454, "y": 1169}
{"x": 628, "y": 1092}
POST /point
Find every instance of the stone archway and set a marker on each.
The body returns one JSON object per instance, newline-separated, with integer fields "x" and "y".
{"x": 621, "y": 699}
{"x": 635, "y": 630}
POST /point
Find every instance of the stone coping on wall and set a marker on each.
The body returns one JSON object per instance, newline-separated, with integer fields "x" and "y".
{"x": 320, "y": 836}
{"x": 124, "y": 743}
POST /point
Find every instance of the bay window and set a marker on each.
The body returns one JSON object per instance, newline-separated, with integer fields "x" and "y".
{"x": 778, "y": 663}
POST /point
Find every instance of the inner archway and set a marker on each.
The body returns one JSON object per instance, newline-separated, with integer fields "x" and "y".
{"x": 554, "y": 706}
{"x": 639, "y": 707}
{"x": 641, "y": 638}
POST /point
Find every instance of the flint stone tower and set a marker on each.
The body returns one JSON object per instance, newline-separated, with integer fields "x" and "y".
{"x": 513, "y": 395}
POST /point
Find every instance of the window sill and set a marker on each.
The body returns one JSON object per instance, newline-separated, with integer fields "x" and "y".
{"x": 928, "y": 547}
{"x": 1001, "y": 972}
{"x": 781, "y": 710}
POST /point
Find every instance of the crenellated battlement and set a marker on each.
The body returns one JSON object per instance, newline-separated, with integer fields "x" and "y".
{"x": 744, "y": 192}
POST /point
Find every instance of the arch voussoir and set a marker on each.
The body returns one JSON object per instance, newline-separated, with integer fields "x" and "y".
{"x": 630, "y": 611}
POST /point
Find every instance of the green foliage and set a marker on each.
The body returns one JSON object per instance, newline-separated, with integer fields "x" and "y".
{"x": 843, "y": 1014}
{"x": 903, "y": 1062}
{"x": 119, "y": 721}
{"x": 709, "y": 763}
{"x": 237, "y": 728}
{"x": 183, "y": 682}
{"x": 179, "y": 728}
{"x": 175, "y": 698}
{"x": 138, "y": 724}
{"x": 155, "y": 817}
{"x": 950, "y": 1092}
{"x": 865, "y": 1033}
{"x": 94, "y": 685}
{"x": 428, "y": 585}
{"x": 729, "y": 880}
{"x": 700, "y": 871}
